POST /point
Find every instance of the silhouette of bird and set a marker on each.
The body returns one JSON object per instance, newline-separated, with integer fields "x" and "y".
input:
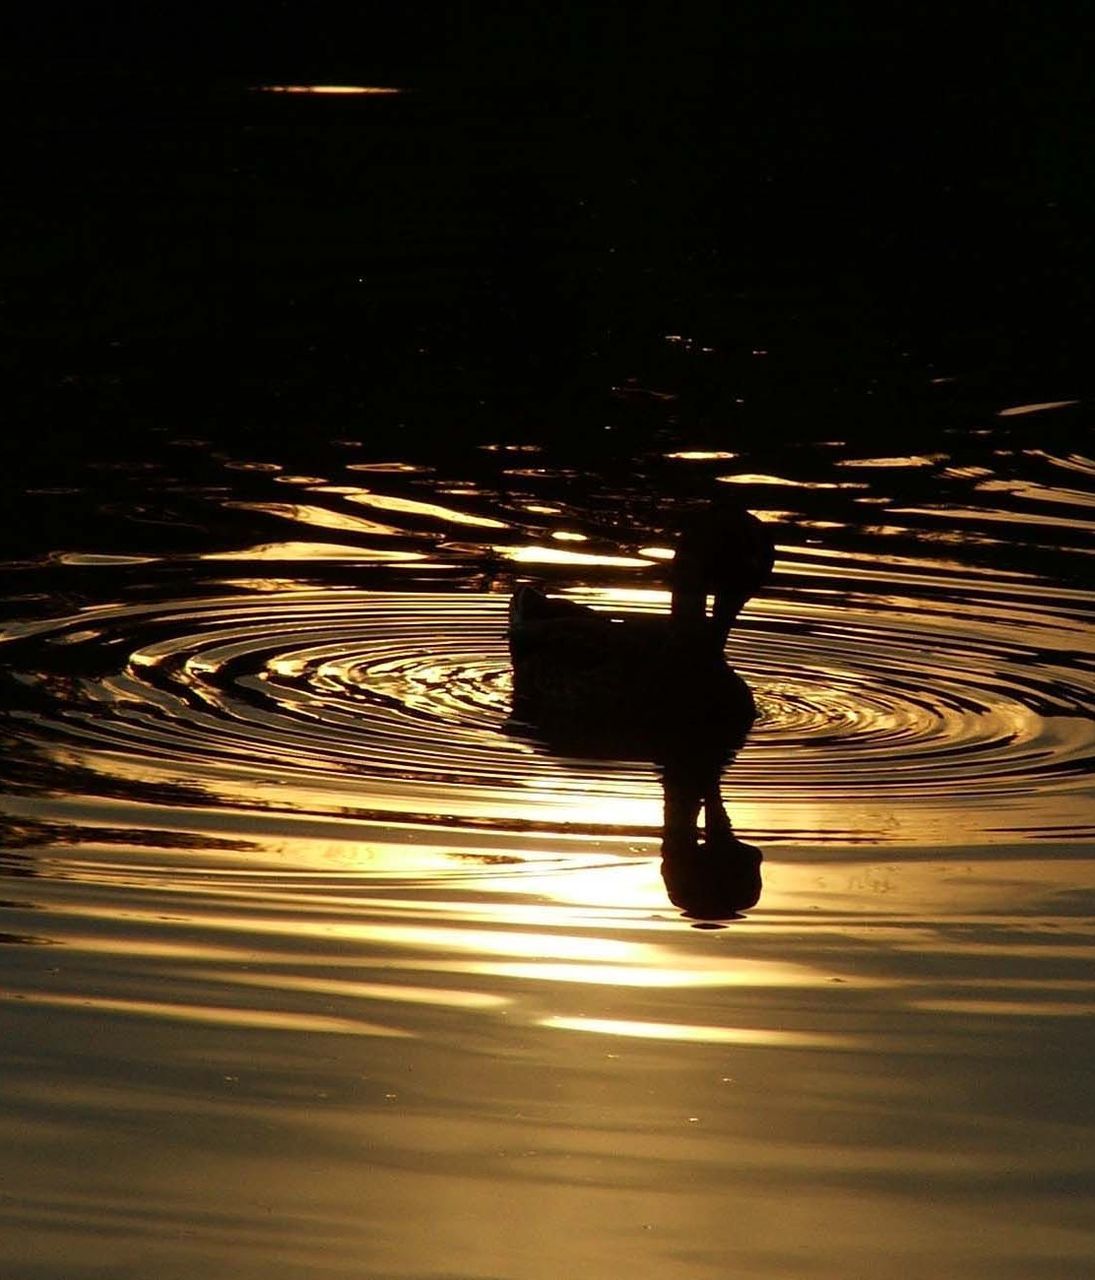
{"x": 650, "y": 686}
{"x": 659, "y": 689}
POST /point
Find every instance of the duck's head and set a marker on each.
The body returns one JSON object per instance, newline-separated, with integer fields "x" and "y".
{"x": 723, "y": 551}
{"x": 712, "y": 880}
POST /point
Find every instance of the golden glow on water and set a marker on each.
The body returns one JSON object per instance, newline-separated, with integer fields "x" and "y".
{"x": 332, "y": 688}
{"x": 976, "y": 515}
{"x": 759, "y": 479}
{"x": 1009, "y": 1008}
{"x": 1020, "y": 410}
{"x": 910, "y": 460}
{"x": 670, "y": 975}
{"x": 336, "y": 90}
{"x": 280, "y": 551}
{"x": 318, "y": 961}
{"x": 395, "y": 703}
{"x": 321, "y": 517}
{"x": 239, "y": 1018}
{"x": 397, "y": 992}
{"x": 703, "y": 455}
{"x": 556, "y": 555}
{"x": 1039, "y": 492}
{"x": 768, "y": 515}
{"x": 745, "y": 1036}
{"x": 78, "y": 558}
{"x": 389, "y": 468}
{"x": 637, "y": 599}
{"x": 411, "y": 506}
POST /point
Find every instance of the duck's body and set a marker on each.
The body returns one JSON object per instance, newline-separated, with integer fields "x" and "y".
{"x": 578, "y": 670}
{"x": 650, "y": 684}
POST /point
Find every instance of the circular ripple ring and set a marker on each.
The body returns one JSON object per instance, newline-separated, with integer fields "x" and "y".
{"x": 396, "y": 704}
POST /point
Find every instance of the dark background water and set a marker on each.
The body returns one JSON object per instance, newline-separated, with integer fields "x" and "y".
{"x": 865, "y": 201}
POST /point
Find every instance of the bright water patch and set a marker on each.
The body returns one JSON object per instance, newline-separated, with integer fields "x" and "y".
{"x": 317, "y": 966}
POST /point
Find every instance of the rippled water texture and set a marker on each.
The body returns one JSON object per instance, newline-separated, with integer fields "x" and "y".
{"x": 912, "y": 689}
{"x": 318, "y": 966}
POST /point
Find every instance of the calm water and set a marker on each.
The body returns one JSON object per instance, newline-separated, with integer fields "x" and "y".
{"x": 314, "y": 967}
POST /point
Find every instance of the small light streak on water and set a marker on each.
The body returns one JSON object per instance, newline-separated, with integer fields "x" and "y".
{"x": 1009, "y": 1008}
{"x": 769, "y": 515}
{"x": 556, "y": 555}
{"x": 912, "y": 460}
{"x": 242, "y": 1018}
{"x": 760, "y": 479}
{"x": 283, "y": 551}
{"x": 1020, "y": 410}
{"x": 333, "y": 90}
{"x": 78, "y": 558}
{"x": 744, "y": 1036}
{"x": 703, "y": 455}
{"x": 1035, "y": 492}
{"x": 411, "y": 506}
{"x": 389, "y": 468}
{"x": 400, "y": 993}
{"x": 320, "y": 517}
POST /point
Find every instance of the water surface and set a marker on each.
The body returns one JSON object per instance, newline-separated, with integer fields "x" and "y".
{"x": 314, "y": 964}
{"x": 315, "y": 969}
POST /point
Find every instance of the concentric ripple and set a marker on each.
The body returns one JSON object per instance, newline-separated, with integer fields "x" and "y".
{"x": 890, "y": 718}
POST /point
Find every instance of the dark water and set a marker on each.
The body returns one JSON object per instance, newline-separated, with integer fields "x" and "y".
{"x": 316, "y": 969}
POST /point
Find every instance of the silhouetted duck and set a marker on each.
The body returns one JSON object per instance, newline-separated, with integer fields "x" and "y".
{"x": 649, "y": 684}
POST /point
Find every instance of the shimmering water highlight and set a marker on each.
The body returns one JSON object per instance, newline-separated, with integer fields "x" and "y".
{"x": 290, "y": 897}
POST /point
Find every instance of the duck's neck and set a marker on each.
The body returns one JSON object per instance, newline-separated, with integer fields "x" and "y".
{"x": 725, "y": 613}
{"x": 688, "y": 614}
{"x": 687, "y": 608}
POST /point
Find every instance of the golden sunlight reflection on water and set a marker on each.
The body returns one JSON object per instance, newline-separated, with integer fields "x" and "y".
{"x": 240, "y": 1018}
{"x": 315, "y": 960}
{"x": 556, "y": 555}
{"x": 902, "y": 718}
{"x": 411, "y": 506}
{"x": 706, "y": 1035}
{"x": 297, "y": 550}
{"x": 333, "y": 90}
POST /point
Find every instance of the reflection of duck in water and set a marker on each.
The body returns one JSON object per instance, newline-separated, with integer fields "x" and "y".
{"x": 716, "y": 875}
{"x": 658, "y": 689}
